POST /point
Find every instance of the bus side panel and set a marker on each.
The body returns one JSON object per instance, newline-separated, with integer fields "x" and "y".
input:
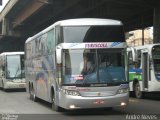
{"x": 153, "y": 85}
{"x": 44, "y": 77}
{"x": 41, "y": 54}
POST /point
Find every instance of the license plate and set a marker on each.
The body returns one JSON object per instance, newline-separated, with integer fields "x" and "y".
{"x": 21, "y": 85}
{"x": 99, "y": 102}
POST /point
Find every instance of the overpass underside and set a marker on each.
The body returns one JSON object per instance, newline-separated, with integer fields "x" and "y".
{"x": 27, "y": 17}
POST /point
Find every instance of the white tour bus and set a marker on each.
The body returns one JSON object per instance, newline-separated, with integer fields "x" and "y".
{"x": 12, "y": 70}
{"x": 144, "y": 69}
{"x": 78, "y": 63}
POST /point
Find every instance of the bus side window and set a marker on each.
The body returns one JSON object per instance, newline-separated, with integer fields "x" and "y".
{"x": 58, "y": 36}
{"x": 139, "y": 59}
{"x": 130, "y": 60}
{"x": 43, "y": 45}
{"x": 50, "y": 41}
{"x": 1, "y": 71}
{"x": 133, "y": 64}
{"x": 37, "y": 45}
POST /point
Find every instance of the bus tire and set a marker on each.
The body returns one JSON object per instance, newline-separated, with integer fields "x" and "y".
{"x": 32, "y": 94}
{"x": 55, "y": 107}
{"x": 137, "y": 90}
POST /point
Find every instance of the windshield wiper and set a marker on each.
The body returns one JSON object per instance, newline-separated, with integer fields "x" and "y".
{"x": 17, "y": 72}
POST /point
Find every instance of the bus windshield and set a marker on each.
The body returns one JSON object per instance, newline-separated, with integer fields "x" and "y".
{"x": 156, "y": 60}
{"x": 79, "y": 34}
{"x": 15, "y": 66}
{"x": 93, "y": 66}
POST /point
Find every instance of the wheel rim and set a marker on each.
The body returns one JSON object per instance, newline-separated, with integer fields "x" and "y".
{"x": 53, "y": 99}
{"x": 34, "y": 95}
{"x": 138, "y": 94}
{"x": 31, "y": 93}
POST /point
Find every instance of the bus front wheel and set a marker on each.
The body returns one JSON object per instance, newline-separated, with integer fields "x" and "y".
{"x": 137, "y": 90}
{"x": 55, "y": 107}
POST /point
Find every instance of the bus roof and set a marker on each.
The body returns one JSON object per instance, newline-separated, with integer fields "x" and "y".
{"x": 78, "y": 22}
{"x": 11, "y": 53}
{"x": 149, "y": 46}
{"x": 88, "y": 21}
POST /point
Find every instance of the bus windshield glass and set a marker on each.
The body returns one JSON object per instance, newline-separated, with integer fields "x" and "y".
{"x": 15, "y": 66}
{"x": 93, "y": 66}
{"x": 79, "y": 34}
{"x": 156, "y": 60}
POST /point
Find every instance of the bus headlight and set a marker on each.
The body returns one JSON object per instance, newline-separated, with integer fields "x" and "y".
{"x": 123, "y": 90}
{"x": 71, "y": 92}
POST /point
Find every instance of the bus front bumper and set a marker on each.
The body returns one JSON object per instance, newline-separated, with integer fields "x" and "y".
{"x": 79, "y": 102}
{"x": 14, "y": 85}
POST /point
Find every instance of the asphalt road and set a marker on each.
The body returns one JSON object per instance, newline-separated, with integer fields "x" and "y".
{"x": 16, "y": 105}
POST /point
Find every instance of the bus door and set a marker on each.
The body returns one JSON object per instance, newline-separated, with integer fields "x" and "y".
{"x": 145, "y": 69}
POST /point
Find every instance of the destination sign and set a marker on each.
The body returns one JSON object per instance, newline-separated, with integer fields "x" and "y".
{"x": 96, "y": 45}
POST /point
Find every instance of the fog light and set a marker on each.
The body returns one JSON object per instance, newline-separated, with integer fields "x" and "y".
{"x": 123, "y": 103}
{"x": 72, "y": 106}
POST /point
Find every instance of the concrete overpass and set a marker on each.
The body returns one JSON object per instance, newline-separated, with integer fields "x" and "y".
{"x": 23, "y": 18}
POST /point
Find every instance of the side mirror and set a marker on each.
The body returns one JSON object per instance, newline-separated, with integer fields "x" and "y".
{"x": 59, "y": 55}
{"x": 134, "y": 54}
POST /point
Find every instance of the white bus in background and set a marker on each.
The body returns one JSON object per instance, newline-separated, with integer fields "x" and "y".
{"x": 77, "y": 64}
{"x": 12, "y": 70}
{"x": 144, "y": 71}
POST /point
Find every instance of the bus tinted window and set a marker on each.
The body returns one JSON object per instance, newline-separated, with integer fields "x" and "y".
{"x": 15, "y": 67}
{"x": 93, "y": 66}
{"x": 80, "y": 34}
{"x": 156, "y": 58}
{"x": 50, "y": 41}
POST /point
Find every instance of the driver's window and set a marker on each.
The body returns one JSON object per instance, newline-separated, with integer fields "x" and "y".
{"x": 130, "y": 59}
{"x": 139, "y": 59}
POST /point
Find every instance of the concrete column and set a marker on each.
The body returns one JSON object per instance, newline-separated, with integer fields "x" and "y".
{"x": 7, "y": 29}
{"x": 142, "y": 22}
{"x": 4, "y": 26}
{"x": 142, "y": 36}
{"x": 156, "y": 25}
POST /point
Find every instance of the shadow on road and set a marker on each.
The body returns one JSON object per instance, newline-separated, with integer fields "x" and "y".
{"x": 14, "y": 90}
{"x": 42, "y": 102}
{"x": 152, "y": 96}
{"x": 95, "y": 112}
{"x": 149, "y": 96}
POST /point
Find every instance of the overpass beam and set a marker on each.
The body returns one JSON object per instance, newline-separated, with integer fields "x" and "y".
{"x": 28, "y": 11}
{"x": 156, "y": 25}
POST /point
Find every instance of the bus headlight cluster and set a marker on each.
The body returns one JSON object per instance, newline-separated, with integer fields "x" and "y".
{"x": 71, "y": 92}
{"x": 123, "y": 90}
